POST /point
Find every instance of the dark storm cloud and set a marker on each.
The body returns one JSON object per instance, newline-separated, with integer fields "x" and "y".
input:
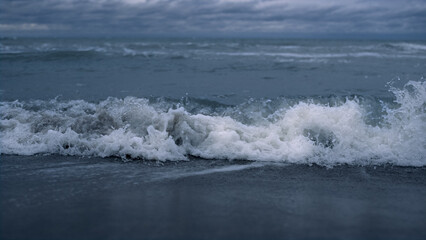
{"x": 212, "y": 17}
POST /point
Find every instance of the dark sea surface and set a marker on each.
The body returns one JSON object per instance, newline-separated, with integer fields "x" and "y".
{"x": 228, "y": 71}
{"x": 212, "y": 138}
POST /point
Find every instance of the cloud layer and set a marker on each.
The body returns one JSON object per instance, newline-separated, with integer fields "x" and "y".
{"x": 210, "y": 18}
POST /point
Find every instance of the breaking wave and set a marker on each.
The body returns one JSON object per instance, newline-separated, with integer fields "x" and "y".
{"x": 353, "y": 130}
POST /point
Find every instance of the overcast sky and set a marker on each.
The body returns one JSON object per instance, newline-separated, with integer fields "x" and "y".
{"x": 213, "y": 18}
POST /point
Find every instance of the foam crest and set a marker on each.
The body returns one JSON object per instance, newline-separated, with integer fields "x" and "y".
{"x": 319, "y": 55}
{"x": 411, "y": 46}
{"x": 304, "y": 131}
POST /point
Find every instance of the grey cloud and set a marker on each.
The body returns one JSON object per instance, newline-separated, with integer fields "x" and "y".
{"x": 213, "y": 17}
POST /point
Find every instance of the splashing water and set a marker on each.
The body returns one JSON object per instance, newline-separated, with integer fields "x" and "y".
{"x": 302, "y": 132}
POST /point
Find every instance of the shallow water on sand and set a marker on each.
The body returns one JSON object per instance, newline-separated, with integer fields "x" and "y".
{"x": 54, "y": 197}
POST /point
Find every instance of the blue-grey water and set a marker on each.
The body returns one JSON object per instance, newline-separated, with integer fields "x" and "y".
{"x": 301, "y": 101}
{"x": 228, "y": 71}
{"x": 77, "y": 116}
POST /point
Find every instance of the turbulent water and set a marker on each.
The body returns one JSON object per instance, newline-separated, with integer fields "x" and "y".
{"x": 296, "y": 101}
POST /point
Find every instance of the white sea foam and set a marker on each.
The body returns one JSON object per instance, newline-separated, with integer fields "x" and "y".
{"x": 4, "y": 49}
{"x": 319, "y": 55}
{"x": 304, "y": 132}
{"x": 411, "y": 46}
{"x": 90, "y": 49}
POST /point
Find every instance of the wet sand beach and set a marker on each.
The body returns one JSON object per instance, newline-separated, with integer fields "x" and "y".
{"x": 59, "y": 197}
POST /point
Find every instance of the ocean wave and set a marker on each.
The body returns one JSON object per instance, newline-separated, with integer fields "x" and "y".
{"x": 411, "y": 46}
{"x": 294, "y": 131}
{"x": 124, "y": 51}
{"x": 188, "y": 49}
{"x": 319, "y": 55}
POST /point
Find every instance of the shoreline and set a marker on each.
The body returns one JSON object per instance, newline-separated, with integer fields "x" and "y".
{"x": 64, "y": 197}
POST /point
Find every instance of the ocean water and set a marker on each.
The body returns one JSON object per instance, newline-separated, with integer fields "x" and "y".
{"x": 323, "y": 102}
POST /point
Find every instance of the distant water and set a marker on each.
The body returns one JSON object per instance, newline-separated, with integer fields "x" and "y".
{"x": 297, "y": 101}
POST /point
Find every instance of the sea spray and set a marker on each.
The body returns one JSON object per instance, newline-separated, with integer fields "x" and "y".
{"x": 309, "y": 131}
